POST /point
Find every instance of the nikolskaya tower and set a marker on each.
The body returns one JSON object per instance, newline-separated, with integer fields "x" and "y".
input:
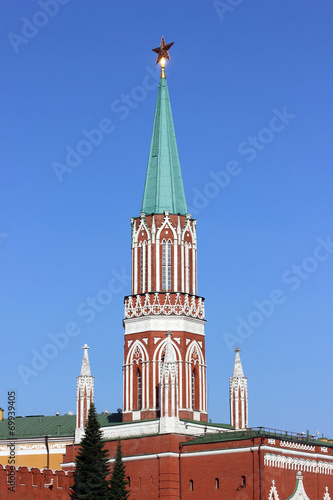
{"x": 164, "y": 355}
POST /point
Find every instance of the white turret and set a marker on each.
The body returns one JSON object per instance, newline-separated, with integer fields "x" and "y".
{"x": 238, "y": 395}
{"x": 84, "y": 395}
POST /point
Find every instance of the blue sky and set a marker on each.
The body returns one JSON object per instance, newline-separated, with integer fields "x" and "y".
{"x": 250, "y": 84}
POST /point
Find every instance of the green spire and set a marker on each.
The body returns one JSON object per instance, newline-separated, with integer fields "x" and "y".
{"x": 164, "y": 185}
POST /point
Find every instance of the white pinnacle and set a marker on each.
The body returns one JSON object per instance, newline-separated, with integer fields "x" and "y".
{"x": 238, "y": 369}
{"x": 85, "y": 368}
{"x": 169, "y": 356}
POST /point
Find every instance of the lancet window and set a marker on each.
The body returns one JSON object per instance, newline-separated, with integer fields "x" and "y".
{"x": 166, "y": 265}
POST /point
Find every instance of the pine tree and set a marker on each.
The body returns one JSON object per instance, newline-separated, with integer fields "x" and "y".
{"x": 90, "y": 477}
{"x": 118, "y": 481}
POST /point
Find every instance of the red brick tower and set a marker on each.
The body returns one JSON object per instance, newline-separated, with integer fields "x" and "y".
{"x": 164, "y": 287}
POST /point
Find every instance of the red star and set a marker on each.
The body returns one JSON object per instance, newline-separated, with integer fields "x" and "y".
{"x": 162, "y": 50}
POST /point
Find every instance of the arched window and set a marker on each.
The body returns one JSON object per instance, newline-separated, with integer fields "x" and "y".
{"x": 166, "y": 265}
{"x": 191, "y": 485}
{"x": 217, "y": 483}
{"x": 243, "y": 481}
{"x": 128, "y": 481}
{"x": 139, "y": 390}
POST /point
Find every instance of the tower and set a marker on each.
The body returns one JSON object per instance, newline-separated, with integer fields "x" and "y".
{"x": 84, "y": 395}
{"x": 164, "y": 286}
{"x": 238, "y": 395}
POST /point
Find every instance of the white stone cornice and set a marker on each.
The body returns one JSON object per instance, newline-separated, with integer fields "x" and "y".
{"x": 163, "y": 324}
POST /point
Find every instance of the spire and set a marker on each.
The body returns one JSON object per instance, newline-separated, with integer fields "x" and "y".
{"x": 164, "y": 185}
{"x": 85, "y": 368}
{"x": 238, "y": 369}
{"x": 169, "y": 356}
{"x": 238, "y": 395}
{"x": 84, "y": 395}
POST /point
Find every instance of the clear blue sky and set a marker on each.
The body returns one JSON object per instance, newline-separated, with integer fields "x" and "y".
{"x": 251, "y": 93}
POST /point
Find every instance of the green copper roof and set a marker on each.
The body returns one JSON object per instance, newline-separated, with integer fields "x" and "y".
{"x": 61, "y": 425}
{"x": 164, "y": 185}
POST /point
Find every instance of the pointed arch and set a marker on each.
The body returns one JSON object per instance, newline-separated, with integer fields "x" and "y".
{"x": 141, "y": 227}
{"x": 194, "y": 351}
{"x": 157, "y": 359}
{"x": 166, "y": 222}
{"x": 136, "y": 376}
{"x": 160, "y": 348}
{"x": 195, "y": 377}
{"x": 137, "y": 351}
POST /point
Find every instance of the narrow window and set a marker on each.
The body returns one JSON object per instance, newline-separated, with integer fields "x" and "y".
{"x": 217, "y": 484}
{"x": 193, "y": 390}
{"x": 191, "y": 485}
{"x": 187, "y": 270}
{"x": 143, "y": 267}
{"x": 166, "y": 265}
{"x": 139, "y": 391}
{"x": 128, "y": 481}
{"x": 243, "y": 483}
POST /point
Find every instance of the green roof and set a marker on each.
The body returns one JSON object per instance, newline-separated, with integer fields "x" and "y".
{"x": 257, "y": 432}
{"x": 37, "y": 426}
{"x": 208, "y": 424}
{"x": 164, "y": 185}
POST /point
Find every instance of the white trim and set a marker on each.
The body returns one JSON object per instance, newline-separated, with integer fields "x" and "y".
{"x": 182, "y": 266}
{"x": 149, "y": 266}
{"x": 299, "y": 453}
{"x": 175, "y": 265}
{"x": 193, "y": 271}
{"x": 157, "y": 244}
{"x": 163, "y": 324}
{"x": 135, "y": 264}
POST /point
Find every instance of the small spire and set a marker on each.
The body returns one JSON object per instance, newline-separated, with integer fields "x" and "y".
{"x": 85, "y": 368}
{"x": 238, "y": 369}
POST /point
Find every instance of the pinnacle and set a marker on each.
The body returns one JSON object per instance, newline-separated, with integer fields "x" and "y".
{"x": 85, "y": 368}
{"x": 238, "y": 369}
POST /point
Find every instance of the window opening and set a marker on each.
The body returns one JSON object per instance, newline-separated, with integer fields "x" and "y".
{"x": 166, "y": 265}
{"x": 139, "y": 391}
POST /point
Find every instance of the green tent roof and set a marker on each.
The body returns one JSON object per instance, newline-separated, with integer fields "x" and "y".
{"x": 164, "y": 185}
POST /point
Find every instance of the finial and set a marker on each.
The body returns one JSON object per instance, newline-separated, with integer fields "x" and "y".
{"x": 163, "y": 54}
{"x": 237, "y": 350}
{"x": 85, "y": 347}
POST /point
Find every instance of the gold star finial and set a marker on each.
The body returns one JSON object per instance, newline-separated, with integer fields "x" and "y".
{"x": 163, "y": 53}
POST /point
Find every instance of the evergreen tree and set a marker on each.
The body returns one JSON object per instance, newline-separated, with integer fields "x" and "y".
{"x": 118, "y": 481}
{"x": 90, "y": 477}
